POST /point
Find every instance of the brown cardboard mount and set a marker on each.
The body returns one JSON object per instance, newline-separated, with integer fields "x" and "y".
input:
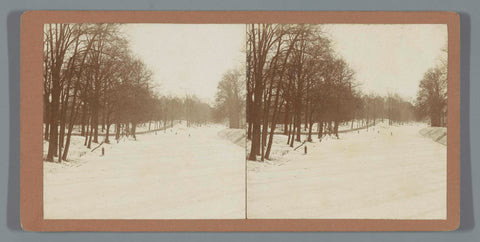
{"x": 31, "y": 180}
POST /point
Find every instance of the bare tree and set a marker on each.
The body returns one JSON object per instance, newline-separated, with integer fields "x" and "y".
{"x": 260, "y": 39}
{"x": 230, "y": 96}
{"x": 59, "y": 40}
{"x": 432, "y": 95}
{"x": 88, "y": 71}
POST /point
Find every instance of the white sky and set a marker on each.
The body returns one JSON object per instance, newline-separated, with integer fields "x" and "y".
{"x": 191, "y": 58}
{"x": 188, "y": 58}
{"x": 389, "y": 58}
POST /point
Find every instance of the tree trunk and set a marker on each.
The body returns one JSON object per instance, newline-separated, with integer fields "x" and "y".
{"x": 107, "y": 134}
{"x": 256, "y": 116}
{"x": 435, "y": 119}
{"x": 234, "y": 119}
{"x": 63, "y": 114}
{"x": 335, "y": 128}
{"x": 274, "y": 124}
{"x": 95, "y": 123}
{"x": 249, "y": 115}
{"x": 134, "y": 129}
{"x": 310, "y": 129}
{"x": 320, "y": 129}
{"x": 71, "y": 125}
{"x": 293, "y": 127}
{"x": 265, "y": 119}
{"x": 298, "y": 119}
{"x": 90, "y": 135}
{"x": 84, "y": 117}
{"x": 286, "y": 118}
{"x": 108, "y": 124}
{"x": 117, "y": 130}
{"x": 46, "y": 118}
{"x": 104, "y": 112}
{"x": 86, "y": 131}
{"x": 53, "y": 140}
{"x": 306, "y": 121}
{"x": 289, "y": 132}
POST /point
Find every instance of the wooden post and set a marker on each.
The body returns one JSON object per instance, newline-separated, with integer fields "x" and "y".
{"x": 103, "y": 151}
{"x": 305, "y": 149}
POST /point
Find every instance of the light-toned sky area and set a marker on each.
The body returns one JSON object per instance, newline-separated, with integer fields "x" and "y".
{"x": 188, "y": 58}
{"x": 191, "y": 58}
{"x": 389, "y": 58}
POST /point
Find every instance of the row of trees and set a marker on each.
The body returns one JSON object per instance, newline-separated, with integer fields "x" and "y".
{"x": 92, "y": 81}
{"x": 167, "y": 109}
{"x": 230, "y": 99}
{"x": 295, "y": 78}
{"x": 289, "y": 68}
{"x": 391, "y": 107}
{"x": 90, "y": 77}
{"x": 432, "y": 94}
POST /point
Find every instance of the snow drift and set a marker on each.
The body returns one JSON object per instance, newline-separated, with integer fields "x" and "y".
{"x": 236, "y": 136}
{"x": 438, "y": 134}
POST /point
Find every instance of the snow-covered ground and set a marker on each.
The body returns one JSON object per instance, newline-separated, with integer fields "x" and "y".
{"x": 183, "y": 173}
{"x": 343, "y": 126}
{"x": 387, "y": 172}
{"x": 141, "y": 128}
{"x": 438, "y": 134}
{"x": 236, "y": 136}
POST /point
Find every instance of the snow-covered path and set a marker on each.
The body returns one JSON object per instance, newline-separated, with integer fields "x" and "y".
{"x": 178, "y": 174}
{"x": 385, "y": 173}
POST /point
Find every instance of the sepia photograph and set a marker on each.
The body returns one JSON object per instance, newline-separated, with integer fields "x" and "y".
{"x": 144, "y": 121}
{"x": 347, "y": 121}
{"x": 245, "y": 121}
{"x": 240, "y": 121}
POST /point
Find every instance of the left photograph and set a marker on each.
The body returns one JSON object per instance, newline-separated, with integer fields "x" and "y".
{"x": 144, "y": 121}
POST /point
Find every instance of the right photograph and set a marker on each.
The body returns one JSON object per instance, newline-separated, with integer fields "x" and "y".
{"x": 346, "y": 121}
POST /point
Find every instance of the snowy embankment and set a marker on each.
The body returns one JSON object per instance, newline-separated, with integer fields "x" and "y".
{"x": 77, "y": 148}
{"x": 183, "y": 173}
{"x": 142, "y": 128}
{"x": 342, "y": 128}
{"x": 387, "y": 172}
{"x": 236, "y": 136}
{"x": 438, "y": 134}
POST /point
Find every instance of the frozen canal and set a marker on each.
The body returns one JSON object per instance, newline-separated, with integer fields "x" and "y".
{"x": 385, "y": 173}
{"x": 184, "y": 173}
